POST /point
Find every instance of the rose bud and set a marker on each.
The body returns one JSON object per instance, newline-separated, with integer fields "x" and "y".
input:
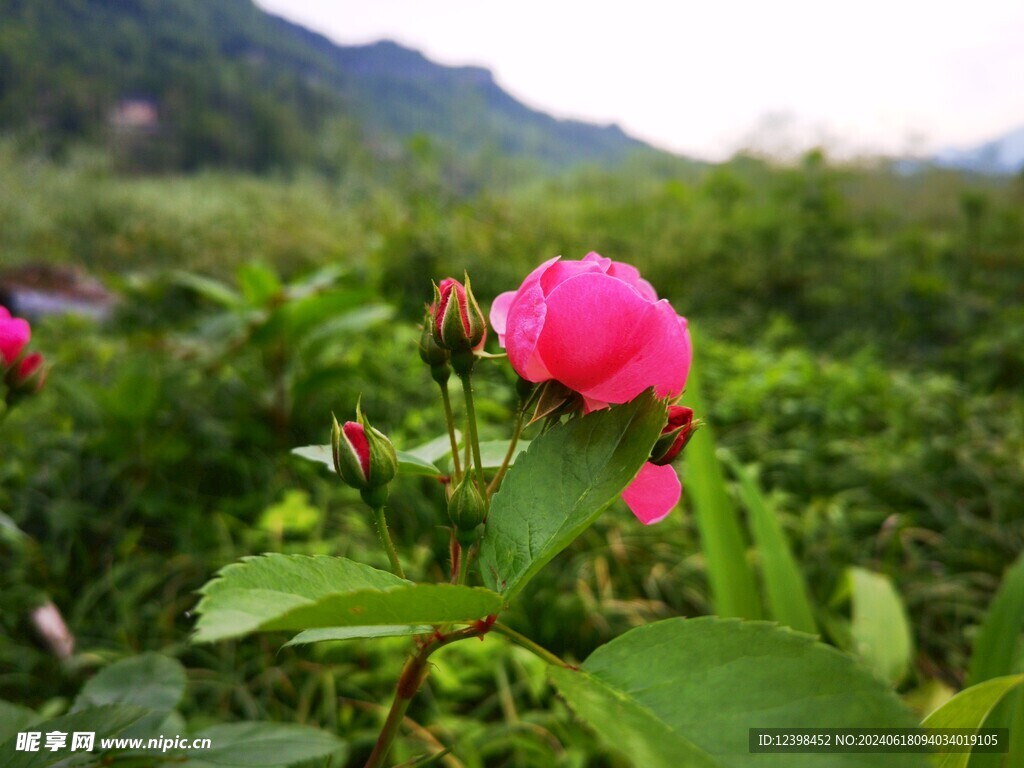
{"x": 430, "y": 353}
{"x": 459, "y": 324}
{"x": 363, "y": 457}
{"x": 675, "y": 435}
{"x": 466, "y": 510}
{"x": 25, "y": 378}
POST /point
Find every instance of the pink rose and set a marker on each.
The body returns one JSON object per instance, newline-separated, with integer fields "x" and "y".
{"x": 598, "y": 328}
{"x": 14, "y": 335}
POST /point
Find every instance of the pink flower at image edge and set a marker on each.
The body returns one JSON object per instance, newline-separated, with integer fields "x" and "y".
{"x": 598, "y": 327}
{"x": 14, "y": 336}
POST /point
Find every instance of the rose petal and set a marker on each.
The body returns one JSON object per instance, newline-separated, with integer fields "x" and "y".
{"x": 653, "y": 493}
{"x": 662, "y": 361}
{"x": 499, "y": 313}
{"x": 561, "y": 271}
{"x": 593, "y": 327}
{"x": 603, "y": 263}
{"x": 526, "y": 317}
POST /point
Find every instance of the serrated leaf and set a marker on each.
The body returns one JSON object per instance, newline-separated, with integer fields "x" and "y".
{"x": 297, "y": 592}
{"x": 626, "y": 725}
{"x": 247, "y": 745}
{"x": 559, "y": 486}
{"x": 970, "y": 709}
{"x": 701, "y": 684}
{"x": 356, "y": 633}
{"x": 105, "y": 722}
{"x": 148, "y": 680}
{"x": 408, "y": 463}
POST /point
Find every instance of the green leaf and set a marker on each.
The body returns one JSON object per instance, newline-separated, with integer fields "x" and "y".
{"x": 733, "y": 586}
{"x": 208, "y": 288}
{"x": 434, "y": 450}
{"x": 969, "y": 709}
{"x": 879, "y": 631}
{"x": 408, "y": 463}
{"x": 14, "y": 718}
{"x": 258, "y": 283}
{"x": 297, "y": 592}
{"x": 492, "y": 453}
{"x": 626, "y": 725}
{"x": 697, "y": 686}
{"x": 265, "y": 744}
{"x": 996, "y": 644}
{"x": 356, "y": 633}
{"x": 996, "y": 652}
{"x": 105, "y": 722}
{"x": 149, "y": 680}
{"x": 784, "y": 584}
{"x": 560, "y": 485}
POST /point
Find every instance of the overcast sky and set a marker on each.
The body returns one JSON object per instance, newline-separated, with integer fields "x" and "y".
{"x": 706, "y": 78}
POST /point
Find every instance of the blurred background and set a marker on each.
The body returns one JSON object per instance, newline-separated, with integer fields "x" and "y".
{"x": 223, "y": 224}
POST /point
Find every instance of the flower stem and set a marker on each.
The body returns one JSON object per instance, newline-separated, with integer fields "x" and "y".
{"x": 389, "y": 545}
{"x": 456, "y": 553}
{"x": 516, "y": 432}
{"x": 450, "y": 418}
{"x": 464, "y": 560}
{"x": 467, "y": 390}
{"x": 530, "y": 645}
{"x": 413, "y": 674}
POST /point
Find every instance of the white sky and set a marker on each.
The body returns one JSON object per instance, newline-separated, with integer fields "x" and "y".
{"x": 706, "y": 77}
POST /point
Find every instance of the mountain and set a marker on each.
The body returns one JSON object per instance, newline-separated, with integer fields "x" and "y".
{"x": 183, "y": 84}
{"x": 1003, "y": 155}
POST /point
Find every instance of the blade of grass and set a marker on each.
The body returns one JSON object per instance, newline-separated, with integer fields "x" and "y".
{"x": 733, "y": 586}
{"x": 995, "y": 654}
{"x": 785, "y": 588}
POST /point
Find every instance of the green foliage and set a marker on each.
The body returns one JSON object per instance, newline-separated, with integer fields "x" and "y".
{"x": 264, "y": 744}
{"x": 148, "y": 680}
{"x": 106, "y": 722}
{"x": 785, "y": 589}
{"x": 280, "y": 592}
{"x": 558, "y": 487}
{"x": 997, "y": 644}
{"x": 878, "y": 632}
{"x": 732, "y": 579}
{"x": 876, "y": 392}
{"x": 691, "y": 689}
{"x": 970, "y": 708}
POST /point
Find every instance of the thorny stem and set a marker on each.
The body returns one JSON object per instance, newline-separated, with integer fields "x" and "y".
{"x": 412, "y": 677}
{"x": 467, "y": 390}
{"x": 449, "y": 417}
{"x": 389, "y": 545}
{"x": 517, "y": 431}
